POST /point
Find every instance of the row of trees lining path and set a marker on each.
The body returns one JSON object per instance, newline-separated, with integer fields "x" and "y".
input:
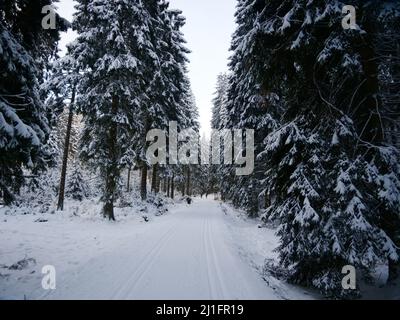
{"x": 323, "y": 102}
{"x": 325, "y": 105}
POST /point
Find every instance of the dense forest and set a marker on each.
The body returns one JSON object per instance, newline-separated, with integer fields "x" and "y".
{"x": 323, "y": 103}
{"x": 95, "y": 105}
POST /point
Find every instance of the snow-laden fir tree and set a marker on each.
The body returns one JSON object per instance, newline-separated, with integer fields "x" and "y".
{"x": 115, "y": 53}
{"x": 169, "y": 93}
{"x": 62, "y": 87}
{"x": 219, "y": 121}
{"x": 25, "y": 51}
{"x": 247, "y": 100}
{"x": 313, "y": 90}
{"x": 77, "y": 188}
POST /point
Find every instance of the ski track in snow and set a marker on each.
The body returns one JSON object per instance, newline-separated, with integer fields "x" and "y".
{"x": 187, "y": 254}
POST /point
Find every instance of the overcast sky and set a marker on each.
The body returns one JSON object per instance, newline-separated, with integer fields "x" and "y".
{"x": 210, "y": 24}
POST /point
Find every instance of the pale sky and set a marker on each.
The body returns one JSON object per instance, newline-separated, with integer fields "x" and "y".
{"x": 210, "y": 24}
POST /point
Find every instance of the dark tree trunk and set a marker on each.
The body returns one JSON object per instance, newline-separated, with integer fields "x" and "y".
{"x": 188, "y": 182}
{"x": 158, "y": 184}
{"x": 154, "y": 178}
{"x": 169, "y": 187}
{"x": 173, "y": 187}
{"x": 394, "y": 271}
{"x": 128, "y": 185}
{"x": 61, "y": 194}
{"x": 367, "y": 104}
{"x": 112, "y": 168}
{"x": 143, "y": 183}
{"x": 267, "y": 201}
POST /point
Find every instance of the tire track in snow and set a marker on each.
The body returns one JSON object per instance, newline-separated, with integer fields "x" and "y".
{"x": 215, "y": 280}
{"x": 217, "y": 268}
{"x": 144, "y": 266}
{"x": 207, "y": 259}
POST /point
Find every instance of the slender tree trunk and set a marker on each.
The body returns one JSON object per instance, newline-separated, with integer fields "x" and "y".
{"x": 394, "y": 271}
{"x": 267, "y": 201}
{"x": 367, "y": 105}
{"x": 158, "y": 184}
{"x": 61, "y": 194}
{"x": 169, "y": 187}
{"x": 188, "y": 182}
{"x": 154, "y": 178}
{"x": 173, "y": 187}
{"x": 143, "y": 183}
{"x": 128, "y": 185}
{"x": 144, "y": 169}
{"x": 112, "y": 168}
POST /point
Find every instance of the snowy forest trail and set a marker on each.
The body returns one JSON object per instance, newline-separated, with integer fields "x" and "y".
{"x": 186, "y": 255}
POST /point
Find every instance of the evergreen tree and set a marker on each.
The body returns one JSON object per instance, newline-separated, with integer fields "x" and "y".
{"x": 25, "y": 51}
{"x": 168, "y": 86}
{"x": 328, "y": 176}
{"x": 77, "y": 189}
{"x": 114, "y": 51}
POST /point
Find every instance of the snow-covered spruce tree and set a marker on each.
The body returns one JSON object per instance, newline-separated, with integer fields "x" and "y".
{"x": 167, "y": 90}
{"x": 25, "y": 50}
{"x": 247, "y": 101}
{"x": 77, "y": 188}
{"x": 180, "y": 105}
{"x": 388, "y": 49}
{"x": 189, "y": 120}
{"x": 62, "y": 85}
{"x": 326, "y": 165}
{"x": 115, "y": 53}
{"x": 223, "y": 174}
{"x": 183, "y": 109}
{"x": 219, "y": 100}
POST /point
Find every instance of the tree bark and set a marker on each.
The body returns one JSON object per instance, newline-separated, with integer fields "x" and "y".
{"x": 112, "y": 169}
{"x": 188, "y": 182}
{"x": 173, "y": 187}
{"x": 61, "y": 194}
{"x": 168, "y": 187}
{"x": 143, "y": 183}
{"x": 154, "y": 178}
{"x": 394, "y": 271}
{"x": 128, "y": 185}
{"x": 367, "y": 105}
{"x": 158, "y": 183}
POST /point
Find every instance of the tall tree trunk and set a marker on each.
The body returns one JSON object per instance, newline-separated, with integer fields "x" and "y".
{"x": 173, "y": 187}
{"x": 394, "y": 271}
{"x": 367, "y": 105}
{"x": 188, "y": 182}
{"x": 128, "y": 185}
{"x": 154, "y": 178}
{"x": 165, "y": 185}
{"x": 112, "y": 168}
{"x": 61, "y": 194}
{"x": 168, "y": 187}
{"x": 144, "y": 169}
{"x": 158, "y": 184}
{"x": 267, "y": 201}
{"x": 143, "y": 182}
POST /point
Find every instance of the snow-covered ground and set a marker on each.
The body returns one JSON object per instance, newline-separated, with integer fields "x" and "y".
{"x": 202, "y": 251}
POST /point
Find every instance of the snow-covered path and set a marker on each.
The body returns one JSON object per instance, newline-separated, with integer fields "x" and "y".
{"x": 187, "y": 255}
